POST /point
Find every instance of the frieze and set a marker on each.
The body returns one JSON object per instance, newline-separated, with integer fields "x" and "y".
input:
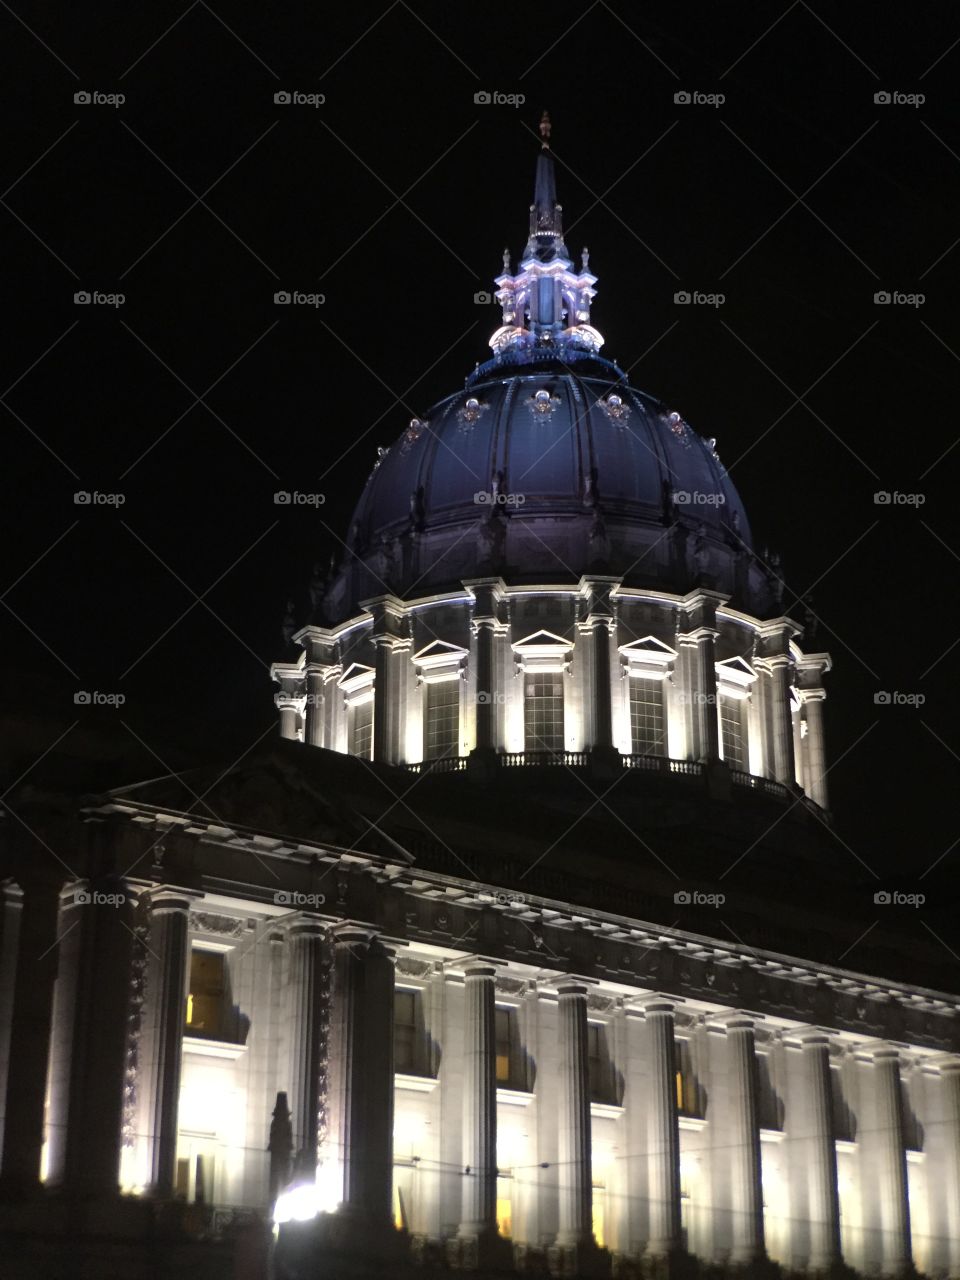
{"x": 411, "y": 967}
{"x": 207, "y": 922}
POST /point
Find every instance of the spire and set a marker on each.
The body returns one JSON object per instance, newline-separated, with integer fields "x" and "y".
{"x": 546, "y": 305}
{"x": 546, "y": 225}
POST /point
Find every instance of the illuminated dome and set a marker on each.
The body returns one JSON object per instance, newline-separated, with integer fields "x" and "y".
{"x": 548, "y": 463}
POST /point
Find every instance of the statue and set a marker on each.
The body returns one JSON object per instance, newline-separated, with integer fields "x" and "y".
{"x": 280, "y": 1147}
{"x": 289, "y": 625}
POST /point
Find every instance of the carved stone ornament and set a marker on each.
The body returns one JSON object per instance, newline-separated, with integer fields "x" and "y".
{"x": 207, "y": 922}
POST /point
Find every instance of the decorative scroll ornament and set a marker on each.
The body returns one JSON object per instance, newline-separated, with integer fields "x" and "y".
{"x": 470, "y": 412}
{"x": 615, "y": 409}
{"x": 542, "y": 404}
{"x": 412, "y": 434}
{"x": 679, "y": 428}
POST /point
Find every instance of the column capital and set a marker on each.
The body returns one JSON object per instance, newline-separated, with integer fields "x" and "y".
{"x": 877, "y": 1053}
{"x": 475, "y": 966}
{"x": 304, "y": 924}
{"x": 812, "y": 667}
{"x": 808, "y": 1037}
{"x": 775, "y": 635}
{"x": 168, "y": 897}
{"x": 387, "y": 612}
{"x": 811, "y": 695}
{"x": 653, "y": 1003}
{"x": 734, "y": 1020}
{"x": 566, "y": 984}
{"x": 700, "y": 606}
{"x": 943, "y": 1065}
{"x": 488, "y": 595}
{"x": 697, "y": 635}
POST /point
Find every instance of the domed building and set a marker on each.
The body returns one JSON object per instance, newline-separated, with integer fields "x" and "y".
{"x": 551, "y": 564}
{"x": 503, "y": 957}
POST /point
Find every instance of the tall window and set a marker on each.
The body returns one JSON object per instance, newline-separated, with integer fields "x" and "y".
{"x": 688, "y": 1091}
{"x": 509, "y": 1060}
{"x": 732, "y": 745}
{"x": 360, "y": 728}
{"x": 441, "y": 722}
{"x": 543, "y": 711}
{"x": 599, "y": 1065}
{"x": 408, "y": 1033}
{"x": 647, "y": 729}
{"x": 207, "y": 1000}
{"x": 844, "y": 1126}
{"x": 769, "y": 1105}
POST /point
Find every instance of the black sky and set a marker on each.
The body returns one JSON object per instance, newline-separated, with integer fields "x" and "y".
{"x": 798, "y": 199}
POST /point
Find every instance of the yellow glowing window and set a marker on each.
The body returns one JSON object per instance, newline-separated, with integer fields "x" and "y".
{"x": 504, "y": 1216}
{"x": 598, "y": 1196}
{"x": 506, "y": 1046}
{"x": 679, "y": 1090}
{"x": 206, "y": 1002}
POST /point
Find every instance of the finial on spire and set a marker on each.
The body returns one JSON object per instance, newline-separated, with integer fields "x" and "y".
{"x": 545, "y": 130}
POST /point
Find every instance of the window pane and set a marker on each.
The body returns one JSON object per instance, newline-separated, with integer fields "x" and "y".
{"x": 543, "y": 711}
{"x": 360, "y": 719}
{"x": 441, "y": 724}
{"x": 505, "y": 1038}
{"x": 206, "y": 1000}
{"x": 731, "y": 732}
{"x": 647, "y": 729}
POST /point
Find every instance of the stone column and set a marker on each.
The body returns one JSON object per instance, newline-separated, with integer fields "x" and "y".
{"x": 813, "y": 1126}
{"x": 479, "y": 1216}
{"x": 163, "y": 1022}
{"x": 746, "y": 1194}
{"x": 775, "y": 664}
{"x": 306, "y": 940}
{"x": 488, "y": 594}
{"x": 698, "y": 694}
{"x": 810, "y": 672}
{"x": 598, "y": 622}
{"x": 361, "y": 1092}
{"x": 314, "y": 711}
{"x": 950, "y": 1156}
{"x": 663, "y": 1135}
{"x": 89, "y": 1037}
{"x": 887, "y": 1155}
{"x": 814, "y": 745}
{"x": 26, "y": 1083}
{"x": 389, "y": 643}
{"x": 574, "y": 1137}
{"x": 289, "y": 706}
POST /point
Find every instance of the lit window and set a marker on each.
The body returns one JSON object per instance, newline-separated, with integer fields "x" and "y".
{"x": 732, "y": 736}
{"x": 207, "y": 998}
{"x": 409, "y": 1037}
{"x": 543, "y": 711}
{"x": 647, "y": 729}
{"x": 504, "y": 1208}
{"x": 360, "y": 728}
{"x": 441, "y": 722}
{"x": 688, "y": 1092}
{"x": 599, "y": 1205}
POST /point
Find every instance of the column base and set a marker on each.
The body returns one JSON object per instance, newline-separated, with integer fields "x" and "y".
{"x": 606, "y": 763}
{"x": 484, "y": 1252}
{"x": 341, "y": 1244}
{"x": 482, "y": 764}
{"x": 584, "y": 1260}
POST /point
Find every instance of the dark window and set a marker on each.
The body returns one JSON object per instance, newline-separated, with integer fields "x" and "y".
{"x": 844, "y": 1127}
{"x": 769, "y": 1106}
{"x": 509, "y": 1069}
{"x": 599, "y": 1066}
{"x": 409, "y": 1033}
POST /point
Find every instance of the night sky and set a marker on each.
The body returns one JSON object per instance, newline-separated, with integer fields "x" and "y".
{"x": 798, "y": 198}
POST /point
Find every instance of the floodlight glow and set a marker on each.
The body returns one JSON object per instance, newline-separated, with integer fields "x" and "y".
{"x": 297, "y": 1204}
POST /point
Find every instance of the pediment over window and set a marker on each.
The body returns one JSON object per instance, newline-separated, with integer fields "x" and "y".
{"x": 648, "y": 656}
{"x": 542, "y": 651}
{"x": 439, "y": 653}
{"x": 737, "y": 672}
{"x": 356, "y": 678}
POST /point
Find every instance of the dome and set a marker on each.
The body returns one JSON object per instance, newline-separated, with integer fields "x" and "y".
{"x": 548, "y": 464}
